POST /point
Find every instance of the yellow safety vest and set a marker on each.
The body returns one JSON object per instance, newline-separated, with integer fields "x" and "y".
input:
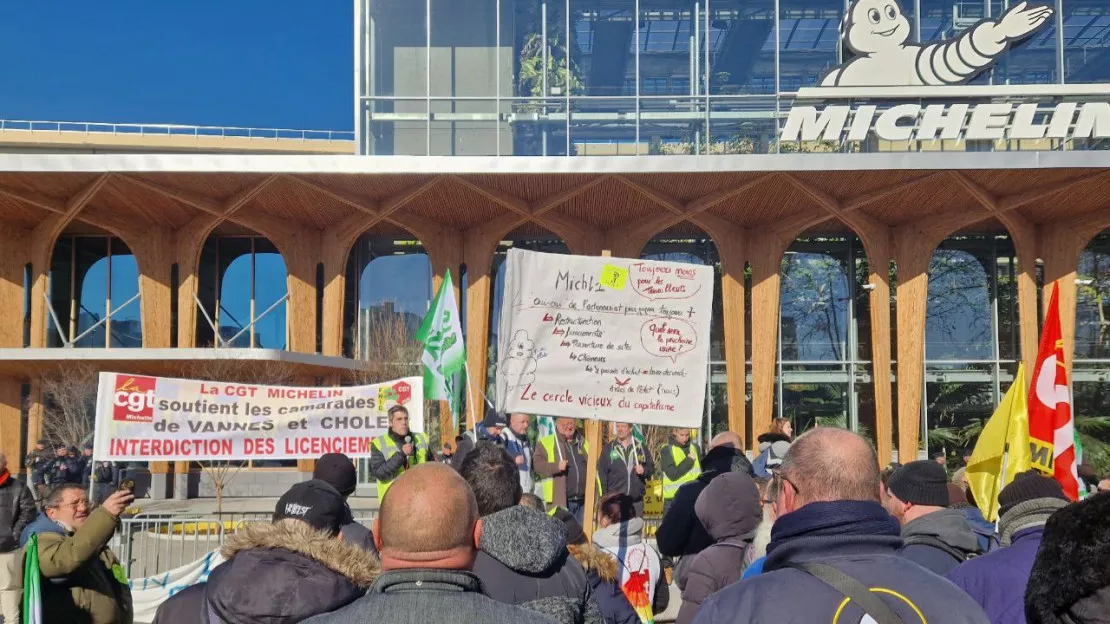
{"x": 670, "y": 488}
{"x": 548, "y": 483}
{"x": 387, "y": 447}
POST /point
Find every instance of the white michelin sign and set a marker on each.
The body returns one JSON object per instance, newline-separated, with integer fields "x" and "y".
{"x": 878, "y": 33}
{"x": 927, "y": 82}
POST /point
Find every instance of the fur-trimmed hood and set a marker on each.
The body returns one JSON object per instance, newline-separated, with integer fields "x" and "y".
{"x": 771, "y": 438}
{"x": 595, "y": 560}
{"x": 1072, "y": 571}
{"x": 287, "y": 572}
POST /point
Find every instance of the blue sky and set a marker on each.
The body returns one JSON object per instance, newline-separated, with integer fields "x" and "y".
{"x": 279, "y": 63}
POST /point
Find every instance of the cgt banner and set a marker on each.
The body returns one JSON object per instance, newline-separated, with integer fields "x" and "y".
{"x": 158, "y": 419}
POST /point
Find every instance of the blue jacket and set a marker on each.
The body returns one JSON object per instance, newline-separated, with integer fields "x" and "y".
{"x": 42, "y": 524}
{"x": 997, "y": 580}
{"x": 773, "y": 596}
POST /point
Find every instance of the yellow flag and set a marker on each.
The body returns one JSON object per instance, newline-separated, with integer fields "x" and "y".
{"x": 1007, "y": 430}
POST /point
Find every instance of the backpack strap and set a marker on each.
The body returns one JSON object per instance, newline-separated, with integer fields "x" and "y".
{"x": 852, "y": 588}
{"x": 929, "y": 540}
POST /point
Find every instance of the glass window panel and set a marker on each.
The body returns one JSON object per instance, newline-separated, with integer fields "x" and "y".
{"x": 464, "y": 52}
{"x": 91, "y": 276}
{"x": 465, "y": 128}
{"x": 814, "y": 301}
{"x": 1086, "y": 37}
{"x": 742, "y": 50}
{"x": 398, "y": 128}
{"x": 958, "y": 315}
{"x": 815, "y": 404}
{"x": 953, "y": 406}
{"x": 1092, "y": 409}
{"x": 672, "y": 126}
{"x": 742, "y": 125}
{"x": 1006, "y": 268}
{"x": 126, "y": 329}
{"x": 1030, "y": 61}
{"x": 539, "y": 128}
{"x": 808, "y": 41}
{"x": 234, "y": 313}
{"x": 541, "y": 70}
{"x": 270, "y": 287}
{"x": 1092, "y": 326}
{"x": 610, "y": 57}
{"x": 603, "y": 127}
{"x": 399, "y": 53}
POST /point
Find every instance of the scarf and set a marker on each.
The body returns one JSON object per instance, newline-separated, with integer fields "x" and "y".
{"x": 4, "y": 476}
{"x": 838, "y": 518}
{"x": 1031, "y": 513}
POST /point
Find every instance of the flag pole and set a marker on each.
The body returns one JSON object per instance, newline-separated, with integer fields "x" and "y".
{"x": 472, "y": 420}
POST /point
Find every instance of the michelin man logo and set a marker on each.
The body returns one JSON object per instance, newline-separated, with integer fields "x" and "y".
{"x": 519, "y": 366}
{"x": 877, "y": 32}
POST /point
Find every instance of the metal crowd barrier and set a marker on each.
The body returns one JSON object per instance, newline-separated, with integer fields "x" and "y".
{"x": 151, "y": 545}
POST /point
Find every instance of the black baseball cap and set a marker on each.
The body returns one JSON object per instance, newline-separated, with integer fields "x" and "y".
{"x": 315, "y": 503}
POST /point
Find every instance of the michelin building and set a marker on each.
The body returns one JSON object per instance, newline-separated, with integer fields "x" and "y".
{"x": 888, "y": 192}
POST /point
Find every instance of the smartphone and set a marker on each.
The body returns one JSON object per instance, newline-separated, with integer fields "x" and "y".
{"x": 127, "y": 484}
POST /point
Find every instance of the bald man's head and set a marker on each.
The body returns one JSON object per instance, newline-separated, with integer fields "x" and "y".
{"x": 828, "y": 464}
{"x": 428, "y": 514}
{"x": 727, "y": 438}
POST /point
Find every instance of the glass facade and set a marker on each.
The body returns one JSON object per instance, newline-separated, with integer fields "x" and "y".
{"x": 242, "y": 294}
{"x": 641, "y": 77}
{"x": 1091, "y": 383}
{"x": 94, "y": 294}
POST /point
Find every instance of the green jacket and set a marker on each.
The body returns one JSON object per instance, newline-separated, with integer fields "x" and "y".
{"x": 78, "y": 585}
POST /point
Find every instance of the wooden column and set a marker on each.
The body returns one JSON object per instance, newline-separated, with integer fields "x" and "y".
{"x": 11, "y": 416}
{"x": 912, "y": 255}
{"x": 153, "y": 252}
{"x": 445, "y": 254}
{"x": 878, "y": 260}
{"x": 16, "y": 254}
{"x": 188, "y": 242}
{"x": 766, "y": 261}
{"x": 1024, "y": 235}
{"x": 478, "y": 249}
{"x": 1061, "y": 249}
{"x": 732, "y": 247}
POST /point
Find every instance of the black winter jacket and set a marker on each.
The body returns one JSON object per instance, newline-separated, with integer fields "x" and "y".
{"x": 279, "y": 573}
{"x": 617, "y": 469}
{"x": 17, "y": 510}
{"x": 681, "y": 533}
{"x": 523, "y": 560}
{"x": 1070, "y": 581}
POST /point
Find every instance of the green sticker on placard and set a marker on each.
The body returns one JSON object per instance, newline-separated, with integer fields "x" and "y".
{"x": 117, "y": 571}
{"x": 613, "y": 276}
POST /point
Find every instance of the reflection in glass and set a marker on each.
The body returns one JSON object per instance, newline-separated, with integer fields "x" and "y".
{"x": 94, "y": 287}
{"x": 389, "y": 289}
{"x": 243, "y": 290}
{"x": 952, "y": 406}
{"x": 1086, "y": 41}
{"x": 958, "y": 316}
{"x": 811, "y": 404}
{"x": 1092, "y": 323}
{"x": 808, "y": 37}
{"x": 814, "y": 302}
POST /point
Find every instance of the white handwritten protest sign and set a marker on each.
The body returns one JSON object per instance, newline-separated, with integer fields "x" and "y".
{"x": 606, "y": 338}
{"x": 158, "y": 419}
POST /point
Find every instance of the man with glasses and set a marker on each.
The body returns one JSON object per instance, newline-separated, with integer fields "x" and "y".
{"x": 835, "y": 545}
{"x": 84, "y": 579}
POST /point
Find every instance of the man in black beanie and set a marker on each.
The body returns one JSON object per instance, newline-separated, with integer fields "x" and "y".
{"x": 338, "y": 471}
{"x": 998, "y": 579}
{"x": 936, "y": 538}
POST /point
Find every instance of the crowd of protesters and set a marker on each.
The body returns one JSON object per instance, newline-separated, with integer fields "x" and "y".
{"x": 811, "y": 531}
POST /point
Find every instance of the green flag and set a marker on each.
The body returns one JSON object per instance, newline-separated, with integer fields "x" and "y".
{"x": 444, "y": 354}
{"x": 32, "y": 593}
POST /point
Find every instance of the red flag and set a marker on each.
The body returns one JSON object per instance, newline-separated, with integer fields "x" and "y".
{"x": 1051, "y": 432}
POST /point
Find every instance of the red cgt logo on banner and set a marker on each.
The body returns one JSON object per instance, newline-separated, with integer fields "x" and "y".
{"x": 1051, "y": 431}
{"x": 133, "y": 400}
